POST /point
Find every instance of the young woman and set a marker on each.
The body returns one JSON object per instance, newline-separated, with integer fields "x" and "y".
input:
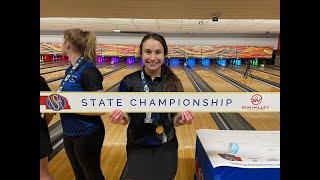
{"x": 152, "y": 146}
{"x": 83, "y": 134}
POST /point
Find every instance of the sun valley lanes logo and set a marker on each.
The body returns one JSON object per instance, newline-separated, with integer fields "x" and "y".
{"x": 54, "y": 102}
{"x": 256, "y": 99}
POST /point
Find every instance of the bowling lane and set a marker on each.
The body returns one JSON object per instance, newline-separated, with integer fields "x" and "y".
{"x": 263, "y": 121}
{"x": 55, "y": 84}
{"x": 250, "y": 82}
{"x": 118, "y": 75}
{"x": 260, "y": 121}
{"x": 220, "y": 85}
{"x": 61, "y": 73}
{"x": 186, "y": 134}
{"x": 63, "y": 67}
{"x": 53, "y": 75}
{"x": 260, "y": 74}
{"x": 267, "y": 70}
{"x": 277, "y": 68}
{"x": 44, "y": 66}
{"x": 53, "y": 69}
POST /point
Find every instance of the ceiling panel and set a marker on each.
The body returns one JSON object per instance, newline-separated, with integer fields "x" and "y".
{"x": 177, "y": 9}
{"x": 144, "y": 22}
{"x": 126, "y": 27}
{"x": 193, "y": 22}
{"x": 168, "y": 22}
{"x": 119, "y": 21}
{"x": 161, "y": 25}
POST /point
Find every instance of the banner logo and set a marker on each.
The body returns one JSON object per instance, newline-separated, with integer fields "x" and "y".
{"x": 256, "y": 103}
{"x": 256, "y": 99}
{"x": 54, "y": 102}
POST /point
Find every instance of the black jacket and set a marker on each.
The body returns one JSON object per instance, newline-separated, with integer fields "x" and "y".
{"x": 139, "y": 132}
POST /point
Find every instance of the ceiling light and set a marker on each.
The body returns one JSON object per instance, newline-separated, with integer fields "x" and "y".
{"x": 116, "y": 30}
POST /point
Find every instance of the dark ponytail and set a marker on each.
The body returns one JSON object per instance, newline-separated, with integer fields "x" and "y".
{"x": 171, "y": 82}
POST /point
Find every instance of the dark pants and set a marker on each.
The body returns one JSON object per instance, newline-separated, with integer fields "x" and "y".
{"x": 152, "y": 162}
{"x": 84, "y": 154}
{"x": 45, "y": 143}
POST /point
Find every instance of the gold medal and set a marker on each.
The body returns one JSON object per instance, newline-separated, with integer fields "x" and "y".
{"x": 159, "y": 129}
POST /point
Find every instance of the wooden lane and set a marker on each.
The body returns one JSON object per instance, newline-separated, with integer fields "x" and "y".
{"x": 263, "y": 69}
{"x": 61, "y": 73}
{"x": 54, "y": 75}
{"x": 260, "y": 121}
{"x": 268, "y": 70}
{"x": 217, "y": 83}
{"x": 60, "y": 167}
{"x": 263, "y": 121}
{"x": 44, "y": 66}
{"x": 187, "y": 134}
{"x": 53, "y": 69}
{"x": 114, "y": 156}
{"x": 263, "y": 75}
{"x": 109, "y": 82}
{"x": 250, "y": 82}
{"x": 63, "y": 67}
{"x": 273, "y": 67}
{"x": 113, "y": 153}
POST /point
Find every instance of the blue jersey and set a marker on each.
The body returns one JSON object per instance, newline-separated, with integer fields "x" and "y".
{"x": 86, "y": 77}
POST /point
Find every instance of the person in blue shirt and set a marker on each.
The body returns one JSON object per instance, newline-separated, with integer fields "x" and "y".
{"x": 152, "y": 146}
{"x": 83, "y": 134}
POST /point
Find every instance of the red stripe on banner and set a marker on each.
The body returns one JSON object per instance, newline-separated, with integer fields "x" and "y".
{"x": 67, "y": 106}
{"x": 43, "y": 100}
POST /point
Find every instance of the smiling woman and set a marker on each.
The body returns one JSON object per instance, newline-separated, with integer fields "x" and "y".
{"x": 151, "y": 140}
{"x": 153, "y": 52}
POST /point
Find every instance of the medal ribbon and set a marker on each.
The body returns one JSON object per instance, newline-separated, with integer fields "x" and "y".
{"x": 148, "y": 118}
{"x": 70, "y": 73}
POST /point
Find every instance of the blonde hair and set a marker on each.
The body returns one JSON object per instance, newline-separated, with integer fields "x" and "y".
{"x": 82, "y": 41}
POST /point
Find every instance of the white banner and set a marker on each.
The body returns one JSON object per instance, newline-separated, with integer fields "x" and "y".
{"x": 91, "y": 102}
